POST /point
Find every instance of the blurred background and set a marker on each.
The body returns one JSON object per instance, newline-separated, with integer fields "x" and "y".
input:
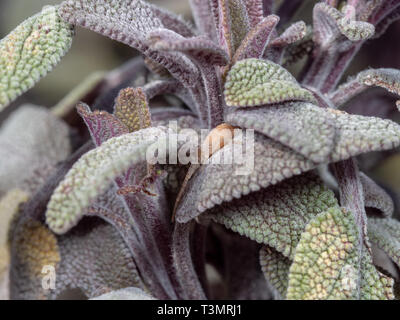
{"x": 91, "y": 52}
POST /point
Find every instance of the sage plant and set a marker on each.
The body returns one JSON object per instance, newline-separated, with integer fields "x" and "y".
{"x": 94, "y": 215}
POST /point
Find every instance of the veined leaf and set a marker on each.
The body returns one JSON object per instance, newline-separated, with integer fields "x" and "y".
{"x": 254, "y": 82}
{"x": 328, "y": 263}
{"x": 213, "y": 183}
{"x": 278, "y": 215}
{"x": 93, "y": 173}
{"x": 30, "y": 51}
{"x": 375, "y": 197}
{"x": 102, "y": 125}
{"x": 304, "y": 127}
{"x": 275, "y": 267}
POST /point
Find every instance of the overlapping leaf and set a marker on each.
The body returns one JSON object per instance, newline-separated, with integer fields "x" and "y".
{"x": 257, "y": 40}
{"x": 358, "y": 134}
{"x": 304, "y": 127}
{"x": 200, "y": 48}
{"x": 215, "y": 183}
{"x": 30, "y": 51}
{"x": 275, "y": 267}
{"x": 93, "y": 173}
{"x": 277, "y": 216}
{"x": 92, "y": 258}
{"x": 328, "y": 263}
{"x": 330, "y": 23}
{"x": 254, "y": 82}
{"x": 102, "y": 125}
{"x": 129, "y": 22}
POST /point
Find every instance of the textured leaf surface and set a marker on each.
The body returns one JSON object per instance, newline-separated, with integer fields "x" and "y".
{"x": 358, "y": 134}
{"x": 385, "y": 233}
{"x": 255, "y": 11}
{"x": 215, "y": 183}
{"x": 388, "y": 79}
{"x": 93, "y": 173}
{"x": 277, "y": 216}
{"x": 30, "y": 51}
{"x": 329, "y": 23}
{"x": 375, "y": 197}
{"x": 33, "y": 247}
{"x": 257, "y": 40}
{"x": 200, "y": 48}
{"x": 294, "y": 33}
{"x": 129, "y": 22}
{"x": 328, "y": 265}
{"x": 93, "y": 258}
{"x": 304, "y": 127}
{"x": 9, "y": 207}
{"x": 254, "y": 82}
{"x": 132, "y": 108}
{"x": 275, "y": 268}
{"x": 30, "y": 139}
{"x": 131, "y": 293}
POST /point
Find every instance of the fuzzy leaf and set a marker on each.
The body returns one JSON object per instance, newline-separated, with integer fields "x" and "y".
{"x": 129, "y": 22}
{"x": 294, "y": 33}
{"x": 107, "y": 261}
{"x": 296, "y": 51}
{"x": 213, "y": 184}
{"x": 330, "y": 23}
{"x": 255, "y": 11}
{"x": 102, "y": 125}
{"x": 305, "y": 128}
{"x": 233, "y": 23}
{"x": 388, "y": 79}
{"x": 358, "y": 134}
{"x": 275, "y": 268}
{"x": 277, "y": 216}
{"x": 9, "y": 208}
{"x": 329, "y": 265}
{"x": 385, "y": 233}
{"x": 92, "y": 258}
{"x": 30, "y": 51}
{"x": 375, "y": 197}
{"x": 200, "y": 48}
{"x": 93, "y": 173}
{"x": 132, "y": 108}
{"x": 255, "y": 82}
{"x": 30, "y": 139}
{"x": 257, "y": 40}
{"x": 131, "y": 293}
{"x": 204, "y": 18}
